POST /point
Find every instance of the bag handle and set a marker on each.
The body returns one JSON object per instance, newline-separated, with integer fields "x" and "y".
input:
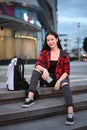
{"x": 20, "y": 62}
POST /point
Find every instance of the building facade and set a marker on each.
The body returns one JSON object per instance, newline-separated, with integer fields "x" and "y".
{"x": 23, "y": 25}
{"x": 65, "y": 42}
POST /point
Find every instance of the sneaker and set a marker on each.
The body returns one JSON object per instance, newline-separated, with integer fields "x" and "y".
{"x": 70, "y": 120}
{"x": 28, "y": 102}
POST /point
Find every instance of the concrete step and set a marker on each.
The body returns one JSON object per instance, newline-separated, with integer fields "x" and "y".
{"x": 56, "y": 122}
{"x": 11, "y": 96}
{"x": 42, "y": 92}
{"x": 45, "y": 92}
{"x": 14, "y": 113}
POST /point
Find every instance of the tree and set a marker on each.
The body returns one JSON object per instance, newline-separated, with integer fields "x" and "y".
{"x": 85, "y": 44}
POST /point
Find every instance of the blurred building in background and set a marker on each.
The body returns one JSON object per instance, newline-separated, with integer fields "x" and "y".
{"x": 64, "y": 40}
{"x": 23, "y": 24}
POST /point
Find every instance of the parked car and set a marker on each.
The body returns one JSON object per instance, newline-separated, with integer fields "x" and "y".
{"x": 84, "y": 57}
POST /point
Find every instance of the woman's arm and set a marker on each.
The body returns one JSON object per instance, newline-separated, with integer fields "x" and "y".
{"x": 43, "y": 71}
{"x": 65, "y": 74}
{"x": 57, "y": 85}
{"x": 41, "y": 63}
{"x": 40, "y": 68}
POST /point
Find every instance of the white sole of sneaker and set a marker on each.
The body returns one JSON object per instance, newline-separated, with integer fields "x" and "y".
{"x": 70, "y": 123}
{"x": 26, "y": 106}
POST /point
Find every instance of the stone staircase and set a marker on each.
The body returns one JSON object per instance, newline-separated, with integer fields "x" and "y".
{"x": 48, "y": 103}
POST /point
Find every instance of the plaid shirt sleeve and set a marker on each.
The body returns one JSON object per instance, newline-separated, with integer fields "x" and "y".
{"x": 66, "y": 63}
{"x": 41, "y": 59}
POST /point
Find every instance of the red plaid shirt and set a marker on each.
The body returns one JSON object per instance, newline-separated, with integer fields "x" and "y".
{"x": 63, "y": 64}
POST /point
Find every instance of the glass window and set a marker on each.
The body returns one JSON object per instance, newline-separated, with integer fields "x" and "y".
{"x": 25, "y": 14}
{"x": 7, "y": 8}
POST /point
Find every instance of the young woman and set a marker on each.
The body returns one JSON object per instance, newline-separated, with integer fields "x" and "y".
{"x": 53, "y": 62}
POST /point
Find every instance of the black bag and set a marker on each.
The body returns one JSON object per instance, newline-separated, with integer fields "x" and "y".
{"x": 15, "y": 75}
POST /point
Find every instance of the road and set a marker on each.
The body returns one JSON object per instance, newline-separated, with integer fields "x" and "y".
{"x": 78, "y": 74}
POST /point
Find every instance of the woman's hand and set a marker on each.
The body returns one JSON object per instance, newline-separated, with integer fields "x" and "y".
{"x": 45, "y": 74}
{"x": 57, "y": 85}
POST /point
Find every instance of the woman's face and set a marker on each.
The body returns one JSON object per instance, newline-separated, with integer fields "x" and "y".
{"x": 52, "y": 41}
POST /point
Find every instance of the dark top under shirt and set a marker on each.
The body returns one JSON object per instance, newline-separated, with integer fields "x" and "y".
{"x": 52, "y": 68}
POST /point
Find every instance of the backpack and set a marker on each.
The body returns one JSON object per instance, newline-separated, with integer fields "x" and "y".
{"x": 15, "y": 75}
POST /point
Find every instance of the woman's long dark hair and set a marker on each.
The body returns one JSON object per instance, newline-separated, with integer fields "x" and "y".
{"x": 45, "y": 46}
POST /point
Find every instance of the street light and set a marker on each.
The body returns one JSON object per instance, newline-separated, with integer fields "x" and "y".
{"x": 78, "y": 41}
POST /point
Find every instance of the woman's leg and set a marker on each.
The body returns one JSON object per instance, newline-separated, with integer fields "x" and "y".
{"x": 69, "y": 103}
{"x": 32, "y": 88}
{"x": 68, "y": 97}
{"x": 33, "y": 83}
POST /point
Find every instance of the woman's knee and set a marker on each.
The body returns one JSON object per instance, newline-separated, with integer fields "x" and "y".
{"x": 65, "y": 87}
{"x": 64, "y": 84}
{"x": 37, "y": 70}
